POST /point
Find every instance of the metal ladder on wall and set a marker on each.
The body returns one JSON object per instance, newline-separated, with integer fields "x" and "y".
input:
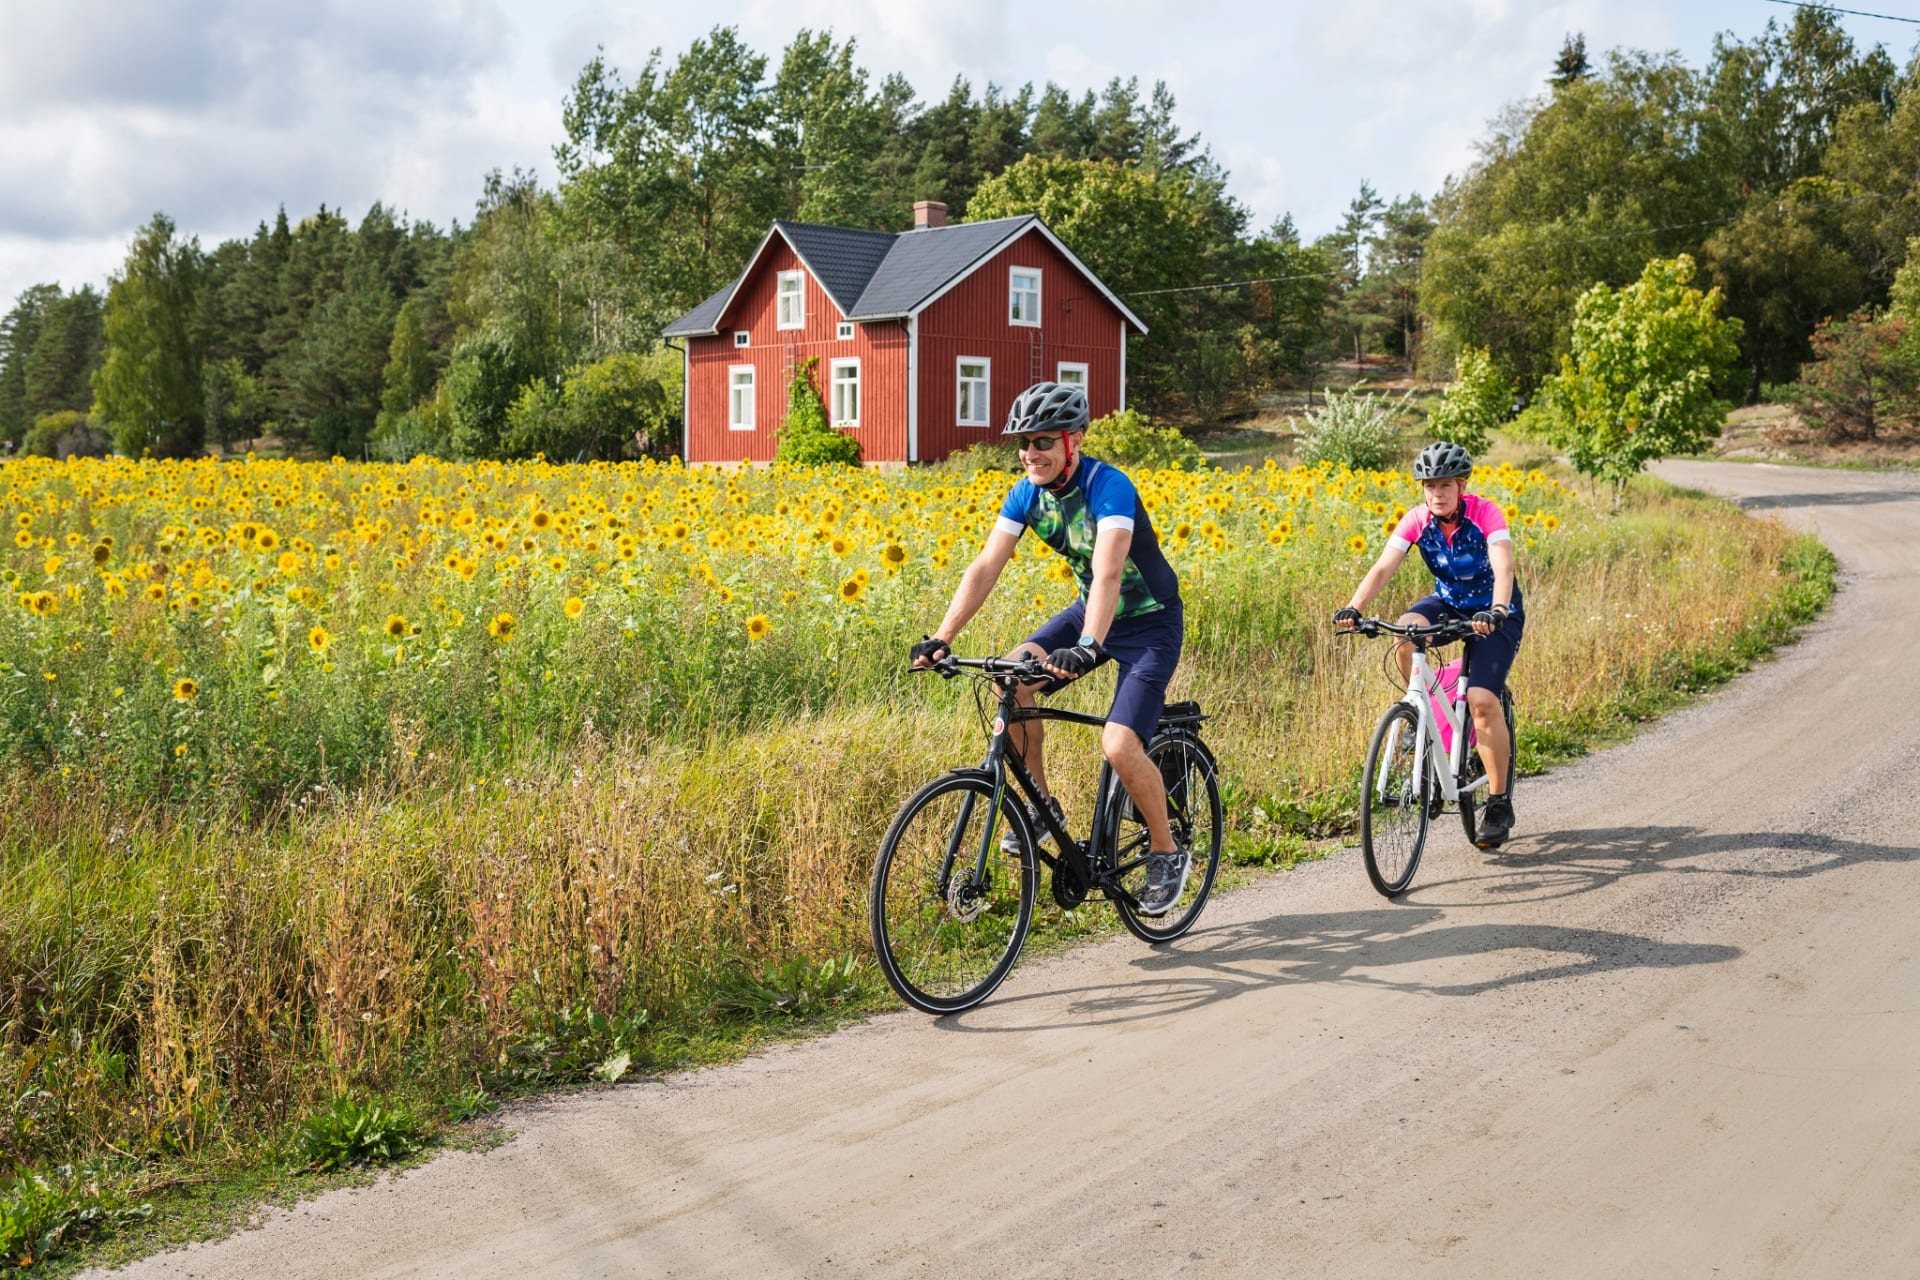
{"x": 1036, "y": 357}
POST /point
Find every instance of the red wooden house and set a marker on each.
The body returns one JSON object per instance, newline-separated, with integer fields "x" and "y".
{"x": 924, "y": 336}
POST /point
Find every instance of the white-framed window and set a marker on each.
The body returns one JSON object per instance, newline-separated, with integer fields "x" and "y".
{"x": 1023, "y": 295}
{"x": 844, "y": 331}
{"x": 844, "y": 376}
{"x": 1071, "y": 375}
{"x": 741, "y": 337}
{"x": 740, "y": 397}
{"x": 793, "y": 299}
{"x": 974, "y": 389}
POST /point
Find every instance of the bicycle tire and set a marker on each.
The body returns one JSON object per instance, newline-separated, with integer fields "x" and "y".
{"x": 945, "y": 944}
{"x": 1197, "y": 814}
{"x": 1393, "y": 802}
{"x": 1474, "y": 801}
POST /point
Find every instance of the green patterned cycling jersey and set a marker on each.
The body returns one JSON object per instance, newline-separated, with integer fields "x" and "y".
{"x": 1097, "y": 496}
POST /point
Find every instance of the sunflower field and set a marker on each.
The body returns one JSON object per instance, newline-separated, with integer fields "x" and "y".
{"x": 249, "y": 629}
{"x": 403, "y": 782}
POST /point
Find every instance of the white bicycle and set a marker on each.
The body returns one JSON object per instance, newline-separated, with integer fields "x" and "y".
{"x": 1422, "y": 758}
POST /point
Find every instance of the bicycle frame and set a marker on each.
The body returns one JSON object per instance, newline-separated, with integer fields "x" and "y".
{"x": 1423, "y": 690}
{"x": 1002, "y": 764}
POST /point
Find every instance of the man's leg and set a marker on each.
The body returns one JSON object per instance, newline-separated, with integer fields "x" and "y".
{"x": 1148, "y": 790}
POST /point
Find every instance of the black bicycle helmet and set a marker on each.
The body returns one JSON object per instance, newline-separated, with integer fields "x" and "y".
{"x": 1047, "y": 406}
{"x": 1441, "y": 459}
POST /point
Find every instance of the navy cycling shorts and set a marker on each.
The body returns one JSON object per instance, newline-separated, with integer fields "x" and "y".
{"x": 1489, "y": 658}
{"x": 1145, "y": 649}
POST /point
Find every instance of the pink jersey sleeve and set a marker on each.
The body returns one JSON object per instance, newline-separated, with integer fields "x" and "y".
{"x": 1488, "y": 515}
{"x": 1411, "y": 526}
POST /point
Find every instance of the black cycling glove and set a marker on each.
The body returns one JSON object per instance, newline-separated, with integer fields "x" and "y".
{"x": 1076, "y": 660}
{"x": 929, "y": 648}
{"x": 1346, "y": 614}
{"x": 1492, "y": 617}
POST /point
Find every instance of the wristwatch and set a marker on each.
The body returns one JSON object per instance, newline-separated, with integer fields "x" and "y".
{"x": 1087, "y": 638}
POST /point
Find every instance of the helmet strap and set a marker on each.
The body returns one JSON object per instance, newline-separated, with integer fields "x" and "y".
{"x": 1059, "y": 482}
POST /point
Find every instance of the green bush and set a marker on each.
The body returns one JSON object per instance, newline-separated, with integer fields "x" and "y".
{"x": 1129, "y": 439}
{"x": 65, "y": 434}
{"x": 807, "y": 440}
{"x": 1474, "y": 401}
{"x": 352, "y": 1132}
{"x": 995, "y": 454}
{"x": 1362, "y": 431}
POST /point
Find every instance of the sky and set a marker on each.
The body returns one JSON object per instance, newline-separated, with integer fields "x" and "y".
{"x": 218, "y": 112}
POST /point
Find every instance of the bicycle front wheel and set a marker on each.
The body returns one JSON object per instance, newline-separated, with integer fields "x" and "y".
{"x": 1198, "y": 819}
{"x": 946, "y": 927}
{"x": 1393, "y": 802}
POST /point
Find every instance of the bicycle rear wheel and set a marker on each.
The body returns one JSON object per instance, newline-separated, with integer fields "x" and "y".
{"x": 946, "y": 930}
{"x": 1198, "y": 818}
{"x": 1394, "y": 788}
{"x": 1472, "y": 802}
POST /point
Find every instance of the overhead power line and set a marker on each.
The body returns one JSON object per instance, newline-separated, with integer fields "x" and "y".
{"x": 1542, "y": 245}
{"x": 1858, "y": 13}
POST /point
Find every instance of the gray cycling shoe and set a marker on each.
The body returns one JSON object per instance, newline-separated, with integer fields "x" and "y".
{"x": 1166, "y": 881}
{"x": 1010, "y": 839}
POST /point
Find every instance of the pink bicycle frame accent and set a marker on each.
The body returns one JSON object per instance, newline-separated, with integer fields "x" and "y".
{"x": 1447, "y": 679}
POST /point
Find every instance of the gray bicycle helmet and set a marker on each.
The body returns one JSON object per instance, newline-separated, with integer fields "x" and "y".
{"x": 1441, "y": 459}
{"x": 1047, "y": 406}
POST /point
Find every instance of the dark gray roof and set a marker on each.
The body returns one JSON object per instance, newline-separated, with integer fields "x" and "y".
{"x": 922, "y": 261}
{"x": 879, "y": 275}
{"x": 842, "y": 259}
{"x": 703, "y": 317}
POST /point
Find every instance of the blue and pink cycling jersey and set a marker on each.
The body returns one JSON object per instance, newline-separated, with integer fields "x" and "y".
{"x": 1457, "y": 554}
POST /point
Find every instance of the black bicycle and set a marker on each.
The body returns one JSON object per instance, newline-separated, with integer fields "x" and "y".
{"x": 952, "y": 902}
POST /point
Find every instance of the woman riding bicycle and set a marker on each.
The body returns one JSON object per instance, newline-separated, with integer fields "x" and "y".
{"x": 1465, "y": 542}
{"x": 1129, "y": 610}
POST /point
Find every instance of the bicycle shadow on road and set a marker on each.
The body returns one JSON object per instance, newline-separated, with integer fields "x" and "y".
{"x": 1564, "y": 864}
{"x": 1388, "y": 949}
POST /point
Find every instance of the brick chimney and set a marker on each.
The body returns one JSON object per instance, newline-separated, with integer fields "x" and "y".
{"x": 928, "y": 214}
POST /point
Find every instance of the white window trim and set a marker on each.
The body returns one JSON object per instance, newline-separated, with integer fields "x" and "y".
{"x": 833, "y": 391}
{"x": 800, "y": 300}
{"x": 986, "y": 396}
{"x": 1039, "y": 295}
{"x": 1060, "y": 373}
{"x": 753, "y": 380}
{"x": 844, "y": 330}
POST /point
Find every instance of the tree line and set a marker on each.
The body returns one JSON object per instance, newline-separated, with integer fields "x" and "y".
{"x": 1783, "y": 168}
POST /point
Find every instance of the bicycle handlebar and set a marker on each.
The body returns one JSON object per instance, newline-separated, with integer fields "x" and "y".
{"x": 1452, "y": 629}
{"x": 1025, "y": 671}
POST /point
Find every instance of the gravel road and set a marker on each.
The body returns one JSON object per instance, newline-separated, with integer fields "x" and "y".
{"x": 1673, "y": 1029}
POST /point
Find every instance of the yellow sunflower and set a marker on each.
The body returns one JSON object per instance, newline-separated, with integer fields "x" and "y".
{"x": 575, "y": 606}
{"x": 759, "y": 627}
{"x": 185, "y": 690}
{"x": 318, "y": 640}
{"x": 396, "y": 625}
{"x": 852, "y": 589}
{"x": 501, "y": 628}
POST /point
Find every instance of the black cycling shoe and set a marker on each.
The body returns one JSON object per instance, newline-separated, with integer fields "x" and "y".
{"x": 1496, "y": 823}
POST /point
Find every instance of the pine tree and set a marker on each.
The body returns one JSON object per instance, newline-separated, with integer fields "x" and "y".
{"x": 1571, "y": 66}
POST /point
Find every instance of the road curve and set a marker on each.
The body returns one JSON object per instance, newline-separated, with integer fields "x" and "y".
{"x": 1672, "y": 1030}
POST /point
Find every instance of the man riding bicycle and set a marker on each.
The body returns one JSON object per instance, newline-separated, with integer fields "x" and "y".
{"x": 1465, "y": 542}
{"x": 1129, "y": 612}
